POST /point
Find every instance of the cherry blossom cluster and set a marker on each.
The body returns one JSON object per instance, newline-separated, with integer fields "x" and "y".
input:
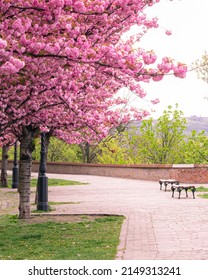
{"x": 63, "y": 61}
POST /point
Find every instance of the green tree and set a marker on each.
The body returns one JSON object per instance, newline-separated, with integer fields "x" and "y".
{"x": 89, "y": 152}
{"x": 161, "y": 142}
{"x": 196, "y": 148}
{"x": 113, "y": 152}
{"x": 121, "y": 147}
{"x": 59, "y": 151}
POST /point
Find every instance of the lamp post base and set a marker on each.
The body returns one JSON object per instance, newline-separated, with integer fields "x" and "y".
{"x": 15, "y": 169}
{"x": 15, "y": 173}
{"x": 42, "y": 204}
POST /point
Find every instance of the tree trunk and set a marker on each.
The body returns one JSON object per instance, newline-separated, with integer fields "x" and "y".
{"x": 4, "y": 183}
{"x": 26, "y": 149}
{"x": 85, "y": 148}
{"x": 87, "y": 151}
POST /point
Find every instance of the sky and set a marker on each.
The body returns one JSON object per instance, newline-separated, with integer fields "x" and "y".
{"x": 188, "y": 21}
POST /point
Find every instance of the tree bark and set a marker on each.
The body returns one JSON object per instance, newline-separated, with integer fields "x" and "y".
{"x": 87, "y": 151}
{"x": 4, "y": 183}
{"x": 26, "y": 149}
{"x": 86, "y": 156}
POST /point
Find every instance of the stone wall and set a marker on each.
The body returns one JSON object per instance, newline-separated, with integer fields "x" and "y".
{"x": 184, "y": 173}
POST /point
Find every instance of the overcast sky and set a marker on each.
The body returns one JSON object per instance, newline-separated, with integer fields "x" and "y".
{"x": 188, "y": 21}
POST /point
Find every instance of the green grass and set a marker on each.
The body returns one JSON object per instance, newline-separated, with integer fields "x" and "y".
{"x": 61, "y": 202}
{"x": 86, "y": 240}
{"x": 205, "y": 195}
{"x": 202, "y": 189}
{"x": 51, "y": 182}
{"x": 51, "y": 203}
{"x": 50, "y": 209}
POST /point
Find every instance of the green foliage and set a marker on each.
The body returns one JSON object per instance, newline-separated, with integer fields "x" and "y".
{"x": 59, "y": 151}
{"x": 113, "y": 153}
{"x": 85, "y": 240}
{"x": 196, "y": 148}
{"x": 10, "y": 153}
{"x": 161, "y": 142}
{"x": 131, "y": 141}
{"x": 121, "y": 149}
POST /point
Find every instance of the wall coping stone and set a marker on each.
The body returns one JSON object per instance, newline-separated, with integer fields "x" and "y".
{"x": 149, "y": 166}
{"x": 183, "y": 166}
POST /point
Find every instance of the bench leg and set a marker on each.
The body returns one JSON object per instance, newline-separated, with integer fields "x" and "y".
{"x": 186, "y": 192}
{"x": 172, "y": 189}
{"x": 179, "y": 193}
{"x": 160, "y": 185}
{"x": 193, "y": 191}
{"x": 165, "y": 186}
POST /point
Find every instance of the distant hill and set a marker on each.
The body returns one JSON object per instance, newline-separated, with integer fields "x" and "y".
{"x": 193, "y": 123}
{"x": 197, "y": 123}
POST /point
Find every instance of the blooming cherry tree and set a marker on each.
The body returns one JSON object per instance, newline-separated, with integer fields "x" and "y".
{"x": 61, "y": 64}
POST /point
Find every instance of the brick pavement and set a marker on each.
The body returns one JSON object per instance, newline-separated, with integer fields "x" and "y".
{"x": 157, "y": 226}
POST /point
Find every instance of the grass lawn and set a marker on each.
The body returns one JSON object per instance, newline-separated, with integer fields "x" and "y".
{"x": 205, "y": 195}
{"x": 202, "y": 189}
{"x": 86, "y": 239}
{"x": 51, "y": 182}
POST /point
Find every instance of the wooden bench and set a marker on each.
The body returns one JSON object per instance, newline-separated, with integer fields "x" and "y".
{"x": 166, "y": 182}
{"x": 179, "y": 189}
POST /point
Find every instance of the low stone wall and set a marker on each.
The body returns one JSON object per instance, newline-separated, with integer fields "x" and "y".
{"x": 184, "y": 173}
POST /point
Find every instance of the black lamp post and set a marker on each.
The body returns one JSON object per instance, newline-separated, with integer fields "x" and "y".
{"x": 42, "y": 179}
{"x": 15, "y": 171}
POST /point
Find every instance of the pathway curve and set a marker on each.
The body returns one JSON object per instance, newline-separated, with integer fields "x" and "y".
{"x": 157, "y": 226}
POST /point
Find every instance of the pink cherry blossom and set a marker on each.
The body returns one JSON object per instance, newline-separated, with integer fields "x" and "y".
{"x": 79, "y": 6}
{"x": 3, "y": 44}
{"x": 155, "y": 101}
{"x": 168, "y": 32}
{"x": 180, "y": 70}
{"x": 149, "y": 58}
{"x": 63, "y": 62}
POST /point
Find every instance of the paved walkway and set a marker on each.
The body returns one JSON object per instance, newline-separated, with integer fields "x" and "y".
{"x": 157, "y": 226}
